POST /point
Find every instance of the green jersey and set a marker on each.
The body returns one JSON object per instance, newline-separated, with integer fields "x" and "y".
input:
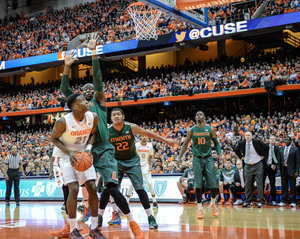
{"x": 101, "y": 111}
{"x": 123, "y": 141}
{"x": 201, "y": 141}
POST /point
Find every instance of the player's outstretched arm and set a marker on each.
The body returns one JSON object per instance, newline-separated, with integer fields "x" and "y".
{"x": 89, "y": 143}
{"x": 58, "y": 130}
{"x": 69, "y": 60}
{"x": 138, "y": 130}
{"x": 185, "y": 144}
{"x": 97, "y": 75}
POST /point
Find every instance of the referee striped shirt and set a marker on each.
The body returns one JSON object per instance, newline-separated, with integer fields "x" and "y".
{"x": 13, "y": 161}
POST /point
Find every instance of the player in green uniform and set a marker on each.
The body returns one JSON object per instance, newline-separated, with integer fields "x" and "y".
{"x": 203, "y": 164}
{"x": 122, "y": 135}
{"x": 103, "y": 152}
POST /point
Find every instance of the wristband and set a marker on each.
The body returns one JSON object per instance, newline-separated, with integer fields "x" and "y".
{"x": 89, "y": 147}
{"x": 94, "y": 52}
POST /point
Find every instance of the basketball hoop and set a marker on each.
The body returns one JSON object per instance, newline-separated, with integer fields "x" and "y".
{"x": 145, "y": 20}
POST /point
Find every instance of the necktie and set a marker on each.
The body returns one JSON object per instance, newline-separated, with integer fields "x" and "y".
{"x": 273, "y": 155}
{"x": 247, "y": 158}
{"x": 286, "y": 155}
{"x": 242, "y": 179}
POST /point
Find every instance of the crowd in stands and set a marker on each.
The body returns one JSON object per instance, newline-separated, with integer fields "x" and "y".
{"x": 281, "y": 7}
{"x": 226, "y": 74}
{"x": 25, "y": 36}
{"x": 50, "y": 31}
{"x": 35, "y": 147}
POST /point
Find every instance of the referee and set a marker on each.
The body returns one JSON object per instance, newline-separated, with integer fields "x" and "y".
{"x": 13, "y": 163}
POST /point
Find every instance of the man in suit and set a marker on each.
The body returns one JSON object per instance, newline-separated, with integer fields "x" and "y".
{"x": 238, "y": 183}
{"x": 288, "y": 168}
{"x": 252, "y": 152}
{"x": 270, "y": 168}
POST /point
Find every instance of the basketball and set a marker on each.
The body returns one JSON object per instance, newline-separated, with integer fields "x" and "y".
{"x": 84, "y": 162}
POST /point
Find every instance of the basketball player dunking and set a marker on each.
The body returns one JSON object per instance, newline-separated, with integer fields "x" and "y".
{"x": 75, "y": 132}
{"x": 203, "y": 163}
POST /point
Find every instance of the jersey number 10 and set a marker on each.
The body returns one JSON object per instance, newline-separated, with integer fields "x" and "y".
{"x": 201, "y": 140}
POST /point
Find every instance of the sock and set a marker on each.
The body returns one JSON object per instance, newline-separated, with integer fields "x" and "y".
{"x": 222, "y": 195}
{"x": 114, "y": 206}
{"x": 94, "y": 222}
{"x": 73, "y": 224}
{"x": 230, "y": 196}
{"x": 148, "y": 212}
{"x": 213, "y": 201}
{"x": 199, "y": 206}
{"x": 129, "y": 217}
{"x": 86, "y": 203}
{"x": 101, "y": 212}
{"x": 154, "y": 198}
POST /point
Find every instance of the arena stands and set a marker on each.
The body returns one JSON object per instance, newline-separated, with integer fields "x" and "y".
{"x": 49, "y": 32}
{"x": 188, "y": 79}
{"x": 36, "y": 148}
{"x": 281, "y": 7}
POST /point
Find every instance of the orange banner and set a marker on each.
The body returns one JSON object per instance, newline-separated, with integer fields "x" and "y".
{"x": 184, "y": 5}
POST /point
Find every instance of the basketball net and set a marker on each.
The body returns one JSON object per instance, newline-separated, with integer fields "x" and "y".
{"x": 145, "y": 20}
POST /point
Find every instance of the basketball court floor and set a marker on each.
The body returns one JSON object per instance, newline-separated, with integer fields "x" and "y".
{"x": 38, "y": 219}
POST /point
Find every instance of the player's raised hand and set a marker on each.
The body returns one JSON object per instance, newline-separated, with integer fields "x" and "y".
{"x": 70, "y": 57}
{"x": 92, "y": 42}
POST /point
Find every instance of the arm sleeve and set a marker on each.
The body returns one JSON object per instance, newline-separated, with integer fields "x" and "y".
{"x": 97, "y": 76}
{"x": 217, "y": 145}
{"x": 64, "y": 86}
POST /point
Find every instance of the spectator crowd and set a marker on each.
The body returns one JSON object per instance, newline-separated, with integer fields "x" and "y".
{"x": 226, "y": 74}
{"x": 35, "y": 147}
{"x": 25, "y": 36}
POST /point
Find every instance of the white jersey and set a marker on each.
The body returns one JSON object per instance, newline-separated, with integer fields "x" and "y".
{"x": 144, "y": 151}
{"x": 77, "y": 133}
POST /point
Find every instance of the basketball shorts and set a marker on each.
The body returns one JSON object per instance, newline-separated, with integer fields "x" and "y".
{"x": 105, "y": 162}
{"x": 132, "y": 168}
{"x": 70, "y": 175}
{"x": 204, "y": 167}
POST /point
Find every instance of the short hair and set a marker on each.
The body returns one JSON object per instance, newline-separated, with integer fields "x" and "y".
{"x": 117, "y": 109}
{"x": 71, "y": 99}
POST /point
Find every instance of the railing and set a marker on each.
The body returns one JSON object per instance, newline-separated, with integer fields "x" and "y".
{"x": 291, "y": 40}
{"x": 131, "y": 64}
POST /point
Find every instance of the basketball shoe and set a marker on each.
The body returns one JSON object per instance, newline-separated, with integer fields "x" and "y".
{"x": 116, "y": 219}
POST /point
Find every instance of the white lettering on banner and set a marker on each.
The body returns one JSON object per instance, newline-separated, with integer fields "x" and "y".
{"x": 2, "y": 192}
{"x": 228, "y": 28}
{"x": 50, "y": 188}
{"x": 38, "y": 189}
{"x": 2, "y": 65}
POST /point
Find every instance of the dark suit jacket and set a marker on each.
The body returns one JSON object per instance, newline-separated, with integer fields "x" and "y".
{"x": 276, "y": 151}
{"x": 237, "y": 178}
{"x": 260, "y": 148}
{"x": 293, "y": 162}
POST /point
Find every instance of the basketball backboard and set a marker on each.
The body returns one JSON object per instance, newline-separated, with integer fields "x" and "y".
{"x": 196, "y": 17}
